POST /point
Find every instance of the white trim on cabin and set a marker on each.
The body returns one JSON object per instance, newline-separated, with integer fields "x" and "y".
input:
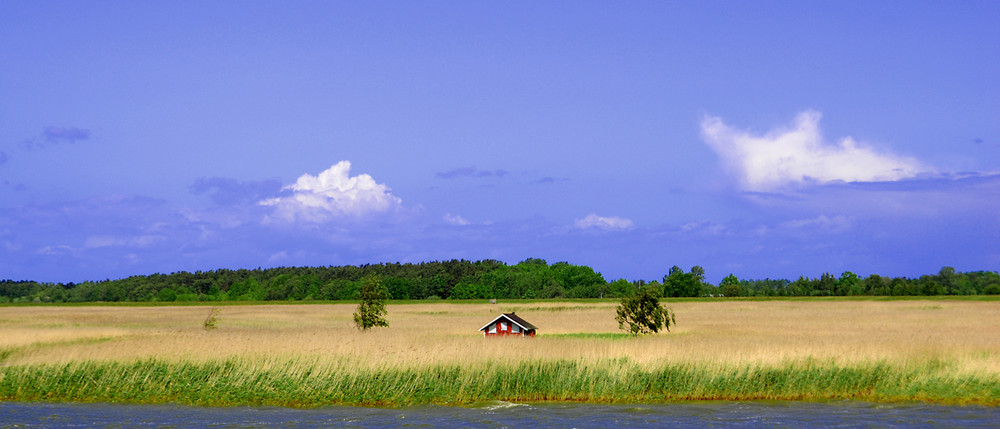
{"x": 503, "y": 316}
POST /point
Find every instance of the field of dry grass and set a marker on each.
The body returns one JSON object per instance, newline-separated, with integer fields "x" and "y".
{"x": 963, "y": 334}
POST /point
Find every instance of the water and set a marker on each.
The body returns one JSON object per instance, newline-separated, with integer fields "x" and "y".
{"x": 843, "y": 414}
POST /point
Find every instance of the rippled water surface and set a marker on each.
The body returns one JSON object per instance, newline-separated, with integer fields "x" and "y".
{"x": 503, "y": 414}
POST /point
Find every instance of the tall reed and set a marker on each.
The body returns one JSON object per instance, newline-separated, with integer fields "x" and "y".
{"x": 299, "y": 383}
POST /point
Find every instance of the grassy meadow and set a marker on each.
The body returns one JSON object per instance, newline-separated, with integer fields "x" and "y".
{"x": 944, "y": 351}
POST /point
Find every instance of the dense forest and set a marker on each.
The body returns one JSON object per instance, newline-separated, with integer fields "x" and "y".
{"x": 461, "y": 279}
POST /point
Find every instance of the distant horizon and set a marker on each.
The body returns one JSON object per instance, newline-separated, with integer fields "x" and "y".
{"x": 609, "y": 280}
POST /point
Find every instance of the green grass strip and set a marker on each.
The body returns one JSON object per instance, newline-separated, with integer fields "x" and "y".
{"x": 294, "y": 384}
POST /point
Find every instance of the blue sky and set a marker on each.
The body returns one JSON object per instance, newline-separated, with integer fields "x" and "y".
{"x": 764, "y": 139}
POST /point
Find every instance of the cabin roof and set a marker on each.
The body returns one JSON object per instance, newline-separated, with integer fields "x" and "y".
{"x": 514, "y": 318}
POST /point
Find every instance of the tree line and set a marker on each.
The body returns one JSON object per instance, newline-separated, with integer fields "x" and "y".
{"x": 486, "y": 279}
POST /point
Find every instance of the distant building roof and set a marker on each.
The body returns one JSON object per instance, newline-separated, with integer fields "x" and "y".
{"x": 513, "y": 318}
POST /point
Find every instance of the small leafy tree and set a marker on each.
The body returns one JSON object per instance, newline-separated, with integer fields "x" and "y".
{"x": 641, "y": 313}
{"x": 371, "y": 311}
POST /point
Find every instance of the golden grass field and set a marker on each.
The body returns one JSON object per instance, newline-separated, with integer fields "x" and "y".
{"x": 963, "y": 335}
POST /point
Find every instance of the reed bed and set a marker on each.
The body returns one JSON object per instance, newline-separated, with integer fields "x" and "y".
{"x": 298, "y": 383}
{"x": 311, "y": 355}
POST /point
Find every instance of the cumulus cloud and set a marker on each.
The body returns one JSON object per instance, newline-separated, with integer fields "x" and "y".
{"x": 334, "y": 194}
{"x": 800, "y": 155}
{"x": 455, "y": 219}
{"x": 593, "y": 221}
{"x": 471, "y": 172}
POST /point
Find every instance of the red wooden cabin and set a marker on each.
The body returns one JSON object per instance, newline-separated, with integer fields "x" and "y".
{"x": 508, "y": 324}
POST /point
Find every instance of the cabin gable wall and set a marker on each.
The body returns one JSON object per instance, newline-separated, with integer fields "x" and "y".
{"x": 504, "y": 326}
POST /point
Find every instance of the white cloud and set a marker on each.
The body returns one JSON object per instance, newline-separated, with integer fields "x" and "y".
{"x": 836, "y": 224}
{"x": 334, "y": 194}
{"x": 278, "y": 257}
{"x": 455, "y": 219}
{"x": 799, "y": 155}
{"x": 11, "y": 247}
{"x": 706, "y": 227}
{"x": 600, "y": 222}
{"x": 97, "y": 241}
{"x": 61, "y": 249}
